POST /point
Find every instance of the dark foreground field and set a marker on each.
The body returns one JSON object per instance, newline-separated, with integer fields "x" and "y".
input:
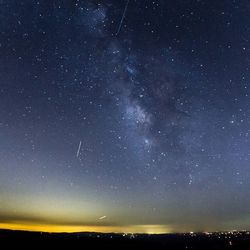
{"x": 220, "y": 241}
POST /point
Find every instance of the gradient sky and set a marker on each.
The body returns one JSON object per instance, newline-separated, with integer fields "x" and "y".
{"x": 125, "y": 115}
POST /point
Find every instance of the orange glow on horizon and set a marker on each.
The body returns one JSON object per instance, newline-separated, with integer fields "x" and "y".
{"x": 151, "y": 229}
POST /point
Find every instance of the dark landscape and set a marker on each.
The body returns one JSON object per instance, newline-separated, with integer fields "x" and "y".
{"x": 223, "y": 240}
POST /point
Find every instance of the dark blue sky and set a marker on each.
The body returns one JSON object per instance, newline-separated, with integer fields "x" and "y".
{"x": 147, "y": 125}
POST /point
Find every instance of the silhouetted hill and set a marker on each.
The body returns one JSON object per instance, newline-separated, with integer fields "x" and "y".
{"x": 220, "y": 241}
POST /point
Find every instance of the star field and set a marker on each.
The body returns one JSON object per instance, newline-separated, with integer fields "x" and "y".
{"x": 136, "y": 112}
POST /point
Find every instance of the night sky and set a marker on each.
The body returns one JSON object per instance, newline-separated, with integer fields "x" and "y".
{"x": 125, "y": 116}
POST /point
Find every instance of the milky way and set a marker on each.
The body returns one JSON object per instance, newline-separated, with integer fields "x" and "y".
{"x": 125, "y": 115}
